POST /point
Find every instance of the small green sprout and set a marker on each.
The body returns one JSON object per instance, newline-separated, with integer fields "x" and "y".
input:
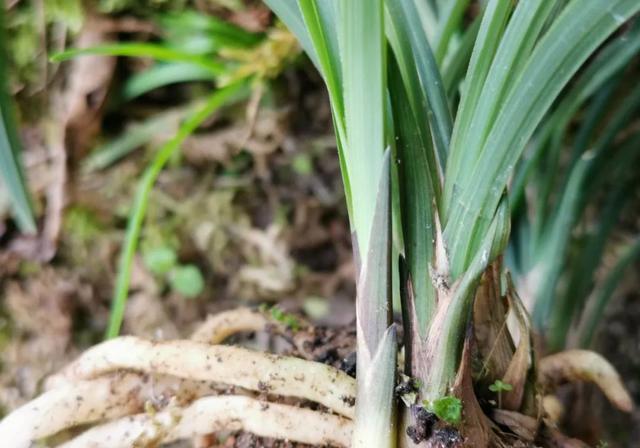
{"x": 160, "y": 260}
{"x": 447, "y": 408}
{"x": 499, "y": 386}
{"x": 277, "y": 314}
{"x": 187, "y": 280}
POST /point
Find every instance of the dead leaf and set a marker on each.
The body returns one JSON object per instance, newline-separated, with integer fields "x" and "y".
{"x": 522, "y": 425}
{"x": 517, "y": 374}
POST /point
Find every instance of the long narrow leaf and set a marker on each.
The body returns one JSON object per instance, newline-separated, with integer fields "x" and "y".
{"x": 605, "y": 292}
{"x": 161, "y": 75}
{"x": 452, "y": 17}
{"x": 573, "y": 37}
{"x": 362, "y": 49}
{"x": 10, "y": 147}
{"x": 138, "y": 210}
{"x": 418, "y": 178}
{"x": 486, "y": 44}
{"x": 416, "y": 60}
{"x": 154, "y": 51}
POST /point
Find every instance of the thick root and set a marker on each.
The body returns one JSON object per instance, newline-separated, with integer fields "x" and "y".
{"x": 584, "y": 365}
{"x": 125, "y": 376}
{"x": 219, "y": 327}
{"x": 212, "y": 414}
{"x": 85, "y": 402}
{"x": 234, "y": 366}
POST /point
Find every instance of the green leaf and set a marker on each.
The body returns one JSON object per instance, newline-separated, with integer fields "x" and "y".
{"x": 321, "y": 22}
{"x": 597, "y": 304}
{"x": 581, "y": 27}
{"x": 451, "y": 19}
{"x": 225, "y": 34}
{"x": 486, "y": 44}
{"x": 548, "y": 142}
{"x": 286, "y": 319}
{"x": 418, "y": 183}
{"x": 499, "y": 386}
{"x": 10, "y": 148}
{"x": 362, "y": 49}
{"x": 448, "y": 409}
{"x": 446, "y": 340}
{"x": 138, "y": 210}
{"x": 552, "y": 250}
{"x": 420, "y": 73}
{"x": 586, "y": 177}
{"x": 161, "y": 75}
{"x": 456, "y": 66}
{"x": 160, "y": 260}
{"x": 187, "y": 280}
{"x": 144, "y": 50}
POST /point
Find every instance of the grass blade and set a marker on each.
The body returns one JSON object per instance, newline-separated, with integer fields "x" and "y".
{"x": 148, "y": 50}
{"x": 161, "y": 75}
{"x": 10, "y": 148}
{"x": 138, "y": 210}
{"x": 186, "y": 24}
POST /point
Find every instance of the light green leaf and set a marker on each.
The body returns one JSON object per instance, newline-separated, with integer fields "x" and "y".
{"x": 161, "y": 75}
{"x": 362, "y": 49}
{"x": 141, "y": 50}
{"x": 187, "y": 280}
{"x": 573, "y": 37}
{"x": 160, "y": 260}
{"x": 448, "y": 409}
{"x": 420, "y": 73}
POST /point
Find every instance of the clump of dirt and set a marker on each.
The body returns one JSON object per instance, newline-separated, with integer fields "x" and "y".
{"x": 246, "y": 440}
{"x": 423, "y": 426}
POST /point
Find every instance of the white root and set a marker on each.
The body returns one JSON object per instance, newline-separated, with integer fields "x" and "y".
{"x": 584, "y": 365}
{"x": 235, "y": 366}
{"x": 69, "y": 406}
{"x": 120, "y": 377}
{"x": 220, "y": 326}
{"x": 212, "y": 414}
{"x": 84, "y": 402}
